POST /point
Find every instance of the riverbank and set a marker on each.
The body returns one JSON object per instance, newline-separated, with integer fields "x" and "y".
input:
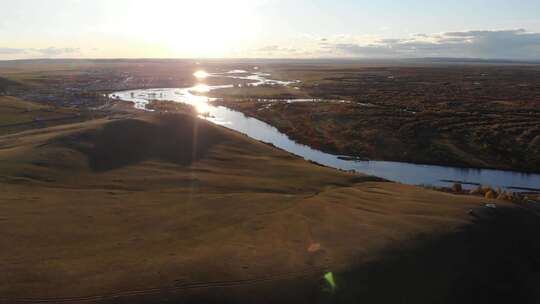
{"x": 405, "y": 134}
{"x": 473, "y": 115}
{"x": 408, "y": 173}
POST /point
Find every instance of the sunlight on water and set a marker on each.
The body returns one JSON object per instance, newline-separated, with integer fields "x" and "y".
{"x": 202, "y": 107}
{"x": 201, "y": 74}
{"x": 201, "y": 88}
{"x": 394, "y": 171}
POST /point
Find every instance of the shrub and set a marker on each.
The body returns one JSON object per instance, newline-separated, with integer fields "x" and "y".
{"x": 517, "y": 198}
{"x": 476, "y": 191}
{"x": 486, "y": 189}
{"x": 457, "y": 188}
{"x": 481, "y": 190}
{"x": 490, "y": 195}
{"x": 505, "y": 196}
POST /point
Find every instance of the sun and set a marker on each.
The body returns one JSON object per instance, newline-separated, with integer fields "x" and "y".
{"x": 190, "y": 28}
{"x": 204, "y": 28}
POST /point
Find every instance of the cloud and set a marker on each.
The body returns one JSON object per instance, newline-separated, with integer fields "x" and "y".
{"x": 271, "y": 49}
{"x": 33, "y": 52}
{"x": 11, "y": 51}
{"x": 53, "y": 51}
{"x": 504, "y": 44}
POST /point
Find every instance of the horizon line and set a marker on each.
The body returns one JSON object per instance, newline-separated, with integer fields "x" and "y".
{"x": 472, "y": 59}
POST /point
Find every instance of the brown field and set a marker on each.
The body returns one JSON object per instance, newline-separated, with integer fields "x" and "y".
{"x": 485, "y": 116}
{"x": 168, "y": 209}
{"x": 104, "y": 204}
{"x": 469, "y": 114}
{"x": 18, "y": 115}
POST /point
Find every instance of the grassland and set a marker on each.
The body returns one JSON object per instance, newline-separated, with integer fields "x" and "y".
{"x": 467, "y": 115}
{"x": 119, "y": 206}
{"x": 169, "y": 208}
{"x": 18, "y": 115}
{"x": 484, "y": 116}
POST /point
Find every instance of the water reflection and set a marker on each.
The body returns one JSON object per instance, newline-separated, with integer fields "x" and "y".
{"x": 395, "y": 171}
{"x": 201, "y": 74}
{"x": 201, "y": 88}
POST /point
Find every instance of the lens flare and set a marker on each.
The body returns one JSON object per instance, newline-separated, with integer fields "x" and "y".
{"x": 329, "y": 277}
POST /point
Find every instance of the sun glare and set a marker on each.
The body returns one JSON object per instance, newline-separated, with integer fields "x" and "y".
{"x": 202, "y": 107}
{"x": 201, "y": 74}
{"x": 201, "y": 88}
{"x": 203, "y": 28}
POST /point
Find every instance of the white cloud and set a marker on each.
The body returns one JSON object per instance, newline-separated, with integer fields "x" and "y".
{"x": 276, "y": 49}
{"x": 517, "y": 44}
{"x": 53, "y": 51}
{"x": 503, "y": 44}
{"x": 11, "y": 51}
{"x": 43, "y": 52}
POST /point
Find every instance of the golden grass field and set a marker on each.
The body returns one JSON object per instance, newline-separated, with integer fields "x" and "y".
{"x": 167, "y": 208}
{"x": 18, "y": 115}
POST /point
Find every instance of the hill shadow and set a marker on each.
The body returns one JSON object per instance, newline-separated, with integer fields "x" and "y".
{"x": 176, "y": 138}
{"x": 494, "y": 260}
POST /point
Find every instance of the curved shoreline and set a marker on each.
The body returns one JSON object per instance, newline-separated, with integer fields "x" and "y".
{"x": 404, "y": 172}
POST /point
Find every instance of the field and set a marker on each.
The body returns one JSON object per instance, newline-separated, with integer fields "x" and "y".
{"x": 18, "y": 115}
{"x": 484, "y": 116}
{"x": 198, "y": 209}
{"x": 105, "y": 204}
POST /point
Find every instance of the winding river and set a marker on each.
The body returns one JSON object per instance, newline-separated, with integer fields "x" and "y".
{"x": 395, "y": 171}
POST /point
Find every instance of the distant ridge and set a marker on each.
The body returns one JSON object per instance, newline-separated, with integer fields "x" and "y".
{"x": 474, "y": 60}
{"x": 282, "y": 60}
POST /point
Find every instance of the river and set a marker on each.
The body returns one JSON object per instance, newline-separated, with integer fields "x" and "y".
{"x": 406, "y": 173}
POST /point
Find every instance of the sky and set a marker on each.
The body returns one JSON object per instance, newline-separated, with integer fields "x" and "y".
{"x": 269, "y": 29}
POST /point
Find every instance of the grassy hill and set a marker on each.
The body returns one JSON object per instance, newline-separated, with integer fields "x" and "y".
{"x": 172, "y": 209}
{"x": 18, "y": 115}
